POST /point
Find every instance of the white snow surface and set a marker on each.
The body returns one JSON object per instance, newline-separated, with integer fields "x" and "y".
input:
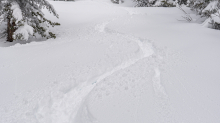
{"x": 113, "y": 64}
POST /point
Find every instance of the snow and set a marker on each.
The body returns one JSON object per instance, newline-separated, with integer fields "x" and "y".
{"x": 214, "y": 17}
{"x": 113, "y": 64}
{"x": 17, "y": 14}
{"x": 212, "y": 5}
{"x": 25, "y": 31}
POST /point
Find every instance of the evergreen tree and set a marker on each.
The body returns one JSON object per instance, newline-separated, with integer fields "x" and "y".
{"x": 154, "y": 3}
{"x": 24, "y": 19}
{"x": 117, "y": 1}
{"x": 209, "y": 9}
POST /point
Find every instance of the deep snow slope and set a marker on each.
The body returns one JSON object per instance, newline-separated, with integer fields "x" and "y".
{"x": 113, "y": 64}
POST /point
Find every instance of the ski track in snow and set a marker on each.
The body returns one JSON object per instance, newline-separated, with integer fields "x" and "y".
{"x": 164, "y": 106}
{"x": 65, "y": 109}
{"x": 101, "y": 27}
{"x": 158, "y": 88}
{"x": 162, "y": 99}
{"x": 68, "y": 101}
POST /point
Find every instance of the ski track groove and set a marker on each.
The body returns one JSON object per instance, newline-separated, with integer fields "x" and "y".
{"x": 65, "y": 108}
{"x": 160, "y": 93}
{"x": 158, "y": 87}
{"x": 162, "y": 99}
{"x": 72, "y": 100}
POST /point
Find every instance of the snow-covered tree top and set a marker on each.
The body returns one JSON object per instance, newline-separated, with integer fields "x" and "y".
{"x": 17, "y": 14}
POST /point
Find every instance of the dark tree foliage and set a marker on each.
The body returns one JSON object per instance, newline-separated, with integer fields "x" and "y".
{"x": 154, "y": 3}
{"x": 181, "y": 2}
{"x": 117, "y": 1}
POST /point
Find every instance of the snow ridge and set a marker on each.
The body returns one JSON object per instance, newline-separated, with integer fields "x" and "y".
{"x": 158, "y": 88}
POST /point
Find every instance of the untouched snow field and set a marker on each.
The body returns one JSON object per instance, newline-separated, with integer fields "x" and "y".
{"x": 113, "y": 64}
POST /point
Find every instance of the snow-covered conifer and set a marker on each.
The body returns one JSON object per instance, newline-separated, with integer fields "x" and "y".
{"x": 155, "y": 3}
{"x": 24, "y": 19}
{"x": 209, "y": 9}
{"x": 117, "y": 1}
